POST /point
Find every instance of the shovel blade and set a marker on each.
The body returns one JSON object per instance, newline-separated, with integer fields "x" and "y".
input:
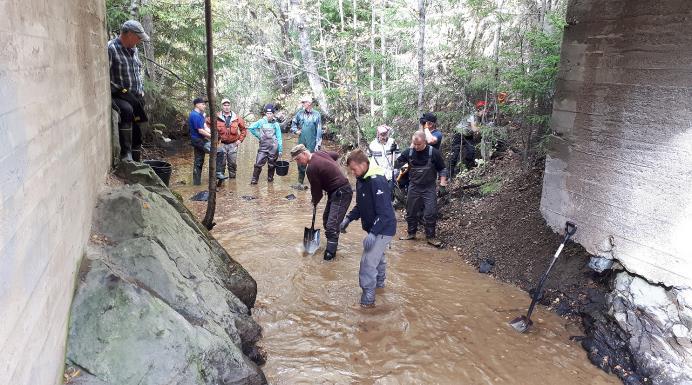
{"x": 311, "y": 240}
{"x": 521, "y": 324}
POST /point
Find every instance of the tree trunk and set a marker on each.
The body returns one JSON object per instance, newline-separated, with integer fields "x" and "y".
{"x": 498, "y": 36}
{"x": 421, "y": 54}
{"x": 383, "y": 71}
{"x": 308, "y": 58}
{"x": 355, "y": 68}
{"x": 341, "y": 14}
{"x": 208, "y": 221}
{"x": 372, "y": 59}
{"x": 322, "y": 45}
{"x": 286, "y": 44}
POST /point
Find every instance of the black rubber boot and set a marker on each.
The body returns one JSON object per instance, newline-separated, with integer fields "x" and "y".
{"x": 328, "y": 255}
{"x": 219, "y": 167}
{"x": 270, "y": 174}
{"x": 137, "y": 155}
{"x": 255, "y": 175}
{"x": 125, "y": 135}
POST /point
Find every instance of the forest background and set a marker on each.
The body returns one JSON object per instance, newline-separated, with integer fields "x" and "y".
{"x": 365, "y": 63}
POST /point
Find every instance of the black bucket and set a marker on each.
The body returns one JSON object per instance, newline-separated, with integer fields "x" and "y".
{"x": 161, "y": 168}
{"x": 282, "y": 167}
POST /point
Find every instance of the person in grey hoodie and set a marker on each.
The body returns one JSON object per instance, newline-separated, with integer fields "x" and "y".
{"x": 374, "y": 209}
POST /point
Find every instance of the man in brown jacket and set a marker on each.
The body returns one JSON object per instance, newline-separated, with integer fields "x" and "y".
{"x": 232, "y": 132}
{"x": 324, "y": 174}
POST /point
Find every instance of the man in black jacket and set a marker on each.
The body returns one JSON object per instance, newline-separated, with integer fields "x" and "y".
{"x": 374, "y": 209}
{"x": 425, "y": 163}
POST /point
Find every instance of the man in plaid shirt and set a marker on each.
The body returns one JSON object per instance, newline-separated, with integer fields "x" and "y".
{"x": 127, "y": 87}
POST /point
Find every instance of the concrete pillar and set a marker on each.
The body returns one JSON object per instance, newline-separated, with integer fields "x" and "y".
{"x": 54, "y": 156}
{"x": 620, "y": 163}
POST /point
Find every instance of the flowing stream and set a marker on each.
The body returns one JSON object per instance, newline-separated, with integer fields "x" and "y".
{"x": 438, "y": 321}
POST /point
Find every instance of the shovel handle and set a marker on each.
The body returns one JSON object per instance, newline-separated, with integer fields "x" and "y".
{"x": 314, "y": 212}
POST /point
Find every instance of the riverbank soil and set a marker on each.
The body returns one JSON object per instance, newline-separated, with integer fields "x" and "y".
{"x": 491, "y": 219}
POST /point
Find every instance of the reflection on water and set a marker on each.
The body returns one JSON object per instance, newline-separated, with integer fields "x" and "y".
{"x": 436, "y": 322}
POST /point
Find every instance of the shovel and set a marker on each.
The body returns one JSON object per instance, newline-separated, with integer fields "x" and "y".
{"x": 311, "y": 237}
{"x": 523, "y": 323}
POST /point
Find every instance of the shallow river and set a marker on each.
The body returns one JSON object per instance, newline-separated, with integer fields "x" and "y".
{"x": 438, "y": 321}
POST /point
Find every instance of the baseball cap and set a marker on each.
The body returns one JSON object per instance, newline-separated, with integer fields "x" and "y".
{"x": 306, "y": 98}
{"x": 269, "y": 108}
{"x": 297, "y": 150}
{"x": 225, "y": 100}
{"x": 198, "y": 100}
{"x": 135, "y": 27}
{"x": 428, "y": 117}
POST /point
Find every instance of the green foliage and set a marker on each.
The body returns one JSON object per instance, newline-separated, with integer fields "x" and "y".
{"x": 491, "y": 187}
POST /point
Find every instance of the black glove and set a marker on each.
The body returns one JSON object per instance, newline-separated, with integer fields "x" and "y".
{"x": 442, "y": 191}
{"x": 369, "y": 242}
{"x": 393, "y": 148}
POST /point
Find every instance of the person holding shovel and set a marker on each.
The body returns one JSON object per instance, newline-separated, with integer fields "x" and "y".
{"x": 324, "y": 174}
{"x": 374, "y": 209}
{"x": 268, "y": 131}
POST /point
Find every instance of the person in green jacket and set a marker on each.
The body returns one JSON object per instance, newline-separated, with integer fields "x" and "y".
{"x": 268, "y": 131}
{"x": 307, "y": 123}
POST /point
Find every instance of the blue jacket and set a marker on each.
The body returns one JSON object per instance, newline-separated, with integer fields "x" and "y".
{"x": 374, "y": 203}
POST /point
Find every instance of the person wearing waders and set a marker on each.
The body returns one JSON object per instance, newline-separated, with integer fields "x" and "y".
{"x": 232, "y": 132}
{"x": 268, "y": 131}
{"x": 127, "y": 89}
{"x": 425, "y": 163}
{"x": 324, "y": 173}
{"x": 307, "y": 124}
{"x": 200, "y": 136}
{"x": 374, "y": 209}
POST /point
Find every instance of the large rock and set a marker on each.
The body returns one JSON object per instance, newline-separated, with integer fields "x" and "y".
{"x": 154, "y": 304}
{"x": 658, "y": 321}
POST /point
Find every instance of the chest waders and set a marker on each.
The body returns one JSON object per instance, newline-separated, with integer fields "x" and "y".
{"x": 308, "y": 138}
{"x": 421, "y": 196}
{"x": 267, "y": 153}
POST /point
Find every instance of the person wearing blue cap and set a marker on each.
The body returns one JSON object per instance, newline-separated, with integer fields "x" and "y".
{"x": 268, "y": 131}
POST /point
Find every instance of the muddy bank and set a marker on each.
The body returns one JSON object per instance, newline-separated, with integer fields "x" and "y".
{"x": 498, "y": 225}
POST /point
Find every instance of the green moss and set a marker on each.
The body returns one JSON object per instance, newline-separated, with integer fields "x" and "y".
{"x": 491, "y": 187}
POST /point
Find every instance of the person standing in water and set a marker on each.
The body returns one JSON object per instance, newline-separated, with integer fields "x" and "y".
{"x": 268, "y": 131}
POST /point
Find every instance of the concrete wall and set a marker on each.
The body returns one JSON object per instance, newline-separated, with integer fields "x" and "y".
{"x": 54, "y": 155}
{"x": 620, "y": 165}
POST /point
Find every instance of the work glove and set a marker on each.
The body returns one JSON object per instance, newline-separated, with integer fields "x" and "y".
{"x": 442, "y": 191}
{"x": 344, "y": 224}
{"x": 393, "y": 148}
{"x": 369, "y": 242}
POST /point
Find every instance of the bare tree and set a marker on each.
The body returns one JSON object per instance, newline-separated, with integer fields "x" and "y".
{"x": 308, "y": 58}
{"x": 208, "y": 221}
{"x": 383, "y": 72}
{"x": 372, "y": 60}
{"x": 421, "y": 54}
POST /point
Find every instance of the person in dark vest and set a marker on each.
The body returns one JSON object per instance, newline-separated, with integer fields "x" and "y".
{"x": 268, "y": 131}
{"x": 127, "y": 88}
{"x": 425, "y": 163}
{"x": 307, "y": 124}
{"x": 324, "y": 174}
{"x": 374, "y": 209}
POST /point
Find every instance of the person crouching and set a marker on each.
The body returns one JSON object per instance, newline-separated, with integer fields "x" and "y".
{"x": 268, "y": 131}
{"x": 374, "y": 209}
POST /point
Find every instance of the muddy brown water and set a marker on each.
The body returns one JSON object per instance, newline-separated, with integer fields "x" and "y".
{"x": 438, "y": 321}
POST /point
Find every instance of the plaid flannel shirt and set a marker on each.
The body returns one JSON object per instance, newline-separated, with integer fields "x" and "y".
{"x": 125, "y": 67}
